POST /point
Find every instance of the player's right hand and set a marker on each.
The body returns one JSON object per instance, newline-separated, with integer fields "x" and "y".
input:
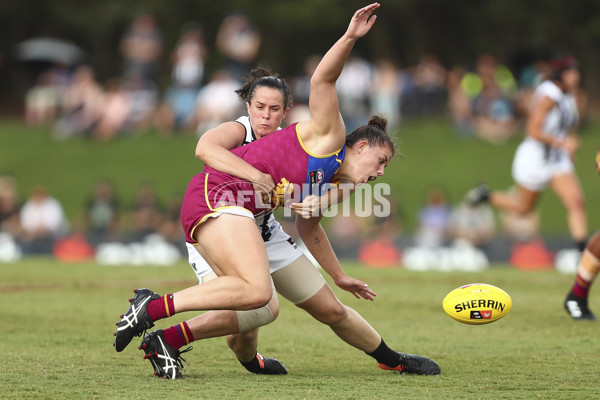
{"x": 263, "y": 184}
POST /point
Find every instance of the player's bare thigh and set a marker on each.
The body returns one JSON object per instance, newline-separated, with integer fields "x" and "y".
{"x": 234, "y": 245}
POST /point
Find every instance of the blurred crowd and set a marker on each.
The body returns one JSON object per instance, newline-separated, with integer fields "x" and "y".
{"x": 75, "y": 103}
{"x": 485, "y": 98}
{"x": 39, "y": 225}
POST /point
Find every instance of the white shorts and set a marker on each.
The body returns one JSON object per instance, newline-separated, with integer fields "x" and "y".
{"x": 281, "y": 250}
{"x": 533, "y": 169}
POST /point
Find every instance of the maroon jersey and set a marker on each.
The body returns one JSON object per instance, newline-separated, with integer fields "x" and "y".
{"x": 281, "y": 155}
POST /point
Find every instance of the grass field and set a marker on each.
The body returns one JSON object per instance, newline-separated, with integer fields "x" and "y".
{"x": 58, "y": 319}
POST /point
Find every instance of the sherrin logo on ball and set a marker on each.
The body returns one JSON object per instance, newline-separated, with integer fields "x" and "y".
{"x": 477, "y": 303}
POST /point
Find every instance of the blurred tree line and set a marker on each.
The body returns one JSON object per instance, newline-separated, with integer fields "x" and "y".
{"x": 514, "y": 31}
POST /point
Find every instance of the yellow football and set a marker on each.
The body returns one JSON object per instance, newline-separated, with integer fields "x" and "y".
{"x": 477, "y": 303}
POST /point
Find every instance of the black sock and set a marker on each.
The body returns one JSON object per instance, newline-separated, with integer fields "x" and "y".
{"x": 385, "y": 355}
{"x": 581, "y": 245}
{"x": 252, "y": 365}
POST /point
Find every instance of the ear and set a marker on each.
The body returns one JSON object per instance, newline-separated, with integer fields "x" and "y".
{"x": 248, "y": 107}
{"x": 361, "y": 146}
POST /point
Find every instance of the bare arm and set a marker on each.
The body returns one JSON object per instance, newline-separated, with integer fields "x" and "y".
{"x": 313, "y": 206}
{"x": 315, "y": 239}
{"x": 214, "y": 147}
{"x": 325, "y": 119}
{"x": 535, "y": 125}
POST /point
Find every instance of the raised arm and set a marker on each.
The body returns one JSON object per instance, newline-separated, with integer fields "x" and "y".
{"x": 214, "y": 147}
{"x": 325, "y": 119}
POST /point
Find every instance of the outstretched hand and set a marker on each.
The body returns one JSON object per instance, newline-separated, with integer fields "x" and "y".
{"x": 356, "y": 287}
{"x": 362, "y": 21}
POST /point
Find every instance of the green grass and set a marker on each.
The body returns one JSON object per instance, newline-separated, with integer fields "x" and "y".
{"x": 58, "y": 319}
{"x": 433, "y": 154}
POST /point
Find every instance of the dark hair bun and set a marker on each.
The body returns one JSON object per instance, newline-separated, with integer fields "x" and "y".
{"x": 378, "y": 122}
{"x": 259, "y": 72}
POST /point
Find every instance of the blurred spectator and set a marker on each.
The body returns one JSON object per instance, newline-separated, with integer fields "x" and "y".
{"x": 386, "y": 91}
{"x": 530, "y": 77}
{"x": 217, "y": 102}
{"x": 459, "y": 102}
{"x": 353, "y": 87}
{"x": 346, "y": 233}
{"x": 116, "y": 109}
{"x": 170, "y": 228}
{"x": 474, "y": 225}
{"x": 41, "y": 101}
{"x": 102, "y": 214}
{"x": 141, "y": 48}
{"x": 80, "y": 105}
{"x": 301, "y": 85}
{"x": 128, "y": 107}
{"x": 43, "y": 221}
{"x": 238, "y": 40}
{"x": 528, "y": 250}
{"x": 433, "y": 219}
{"x": 429, "y": 93}
{"x": 493, "y": 90}
{"x": 301, "y": 90}
{"x": 9, "y": 207}
{"x": 146, "y": 213}
{"x": 520, "y": 227}
{"x": 143, "y": 100}
{"x": 379, "y": 249}
{"x": 188, "y": 60}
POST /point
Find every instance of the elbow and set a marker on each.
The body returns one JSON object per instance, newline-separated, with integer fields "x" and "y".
{"x": 200, "y": 153}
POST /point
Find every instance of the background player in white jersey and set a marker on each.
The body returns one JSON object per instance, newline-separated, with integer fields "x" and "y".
{"x": 545, "y": 156}
{"x": 295, "y": 277}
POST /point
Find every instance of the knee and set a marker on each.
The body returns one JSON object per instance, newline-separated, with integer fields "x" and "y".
{"x": 258, "y": 296}
{"x": 577, "y": 203}
{"x": 333, "y": 314}
{"x": 259, "y": 299}
{"x": 593, "y": 245}
{"x": 523, "y": 208}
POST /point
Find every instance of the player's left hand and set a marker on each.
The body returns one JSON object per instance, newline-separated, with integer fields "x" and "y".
{"x": 362, "y": 21}
{"x": 356, "y": 287}
{"x": 309, "y": 208}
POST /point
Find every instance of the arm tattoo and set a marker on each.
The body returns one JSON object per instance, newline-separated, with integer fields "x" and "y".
{"x": 318, "y": 242}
